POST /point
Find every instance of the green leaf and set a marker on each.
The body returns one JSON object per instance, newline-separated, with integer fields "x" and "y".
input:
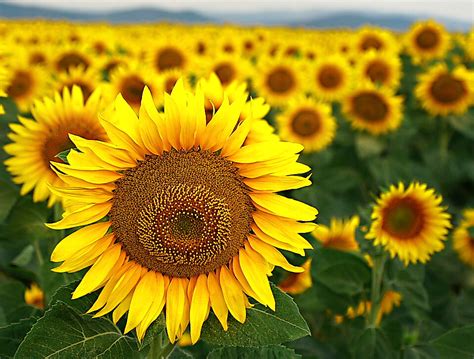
{"x": 262, "y": 326}
{"x": 456, "y": 344}
{"x": 63, "y": 155}
{"x": 368, "y": 146}
{"x": 24, "y": 258}
{"x": 153, "y": 330}
{"x": 64, "y": 333}
{"x": 8, "y": 197}
{"x": 420, "y": 352}
{"x": 373, "y": 344}
{"x": 12, "y": 335}
{"x": 342, "y": 272}
{"x": 12, "y": 302}
{"x": 410, "y": 284}
{"x": 64, "y": 295}
{"x": 268, "y": 352}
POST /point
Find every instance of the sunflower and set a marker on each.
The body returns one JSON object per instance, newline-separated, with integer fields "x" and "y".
{"x": 373, "y": 109}
{"x": 463, "y": 238}
{"x": 368, "y": 39}
{"x": 34, "y": 296}
{"x": 278, "y": 79}
{"x": 191, "y": 217}
{"x": 308, "y": 122}
{"x": 442, "y": 92}
{"x": 330, "y": 78}
{"x": 389, "y": 300}
{"x": 427, "y": 40}
{"x": 339, "y": 235}
{"x": 228, "y": 68}
{"x": 380, "y": 68}
{"x": 88, "y": 80}
{"x": 409, "y": 222}
{"x": 297, "y": 283}
{"x": 37, "y": 142}
{"x": 167, "y": 80}
{"x": 69, "y": 56}
{"x": 167, "y": 56}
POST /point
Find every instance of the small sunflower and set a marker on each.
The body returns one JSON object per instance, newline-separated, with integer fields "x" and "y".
{"x": 37, "y": 142}
{"x": 330, "y": 78}
{"x": 368, "y": 39}
{"x": 308, "y": 122}
{"x": 427, "y": 40}
{"x": 463, "y": 238}
{"x": 192, "y": 218}
{"x": 69, "y": 56}
{"x": 167, "y": 56}
{"x": 409, "y": 223}
{"x": 34, "y": 296}
{"x": 339, "y": 235}
{"x": 389, "y": 300}
{"x": 88, "y": 80}
{"x": 442, "y": 92}
{"x": 297, "y": 283}
{"x": 373, "y": 109}
{"x": 228, "y": 68}
{"x": 380, "y": 68}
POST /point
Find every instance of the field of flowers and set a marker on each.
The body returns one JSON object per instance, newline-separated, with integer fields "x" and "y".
{"x": 204, "y": 191}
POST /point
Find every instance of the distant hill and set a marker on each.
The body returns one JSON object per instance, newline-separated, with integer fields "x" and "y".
{"x": 314, "y": 19}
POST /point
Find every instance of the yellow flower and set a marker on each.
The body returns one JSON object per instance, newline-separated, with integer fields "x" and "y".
{"x": 34, "y": 296}
{"x": 376, "y": 40}
{"x": 297, "y": 283}
{"x": 409, "y": 222}
{"x": 463, "y": 238}
{"x": 192, "y": 218}
{"x": 88, "y": 80}
{"x": 380, "y": 68}
{"x": 37, "y": 142}
{"x": 442, "y": 92}
{"x": 427, "y": 40}
{"x": 330, "y": 78}
{"x": 339, "y": 235}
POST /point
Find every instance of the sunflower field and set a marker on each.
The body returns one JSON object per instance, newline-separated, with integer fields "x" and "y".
{"x": 205, "y": 191}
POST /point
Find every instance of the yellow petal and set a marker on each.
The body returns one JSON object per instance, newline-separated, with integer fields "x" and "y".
{"x": 264, "y": 151}
{"x": 240, "y": 276}
{"x": 199, "y": 307}
{"x": 274, "y": 242}
{"x": 217, "y": 299}
{"x": 83, "y": 216}
{"x": 236, "y": 140}
{"x": 233, "y": 295}
{"x": 122, "y": 308}
{"x": 95, "y": 176}
{"x": 277, "y": 183}
{"x": 284, "y": 207}
{"x": 175, "y": 303}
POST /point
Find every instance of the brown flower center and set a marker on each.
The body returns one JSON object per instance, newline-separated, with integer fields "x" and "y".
{"x": 371, "y": 42}
{"x": 132, "y": 89}
{"x": 37, "y": 58}
{"x": 370, "y": 106}
{"x": 427, "y": 39}
{"x": 169, "y": 58}
{"x": 225, "y": 72}
{"x": 71, "y": 59}
{"x": 182, "y": 213}
{"x": 377, "y": 72}
{"x": 330, "y": 76}
{"x": 447, "y": 89}
{"x": 280, "y": 80}
{"x": 20, "y": 84}
{"x": 403, "y": 218}
{"x": 306, "y": 122}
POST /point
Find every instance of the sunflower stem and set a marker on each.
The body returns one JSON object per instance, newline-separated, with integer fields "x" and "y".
{"x": 160, "y": 347}
{"x": 39, "y": 255}
{"x": 376, "y": 292}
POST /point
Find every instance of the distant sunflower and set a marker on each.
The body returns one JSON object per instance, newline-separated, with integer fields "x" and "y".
{"x": 88, "y": 80}
{"x": 330, "y": 78}
{"x": 442, "y": 92}
{"x": 70, "y": 56}
{"x": 308, "y": 122}
{"x": 380, "y": 68}
{"x": 192, "y": 218}
{"x": 228, "y": 68}
{"x": 376, "y": 40}
{"x": 373, "y": 109}
{"x": 409, "y": 223}
{"x": 389, "y": 300}
{"x": 427, "y": 40}
{"x": 167, "y": 80}
{"x": 37, "y": 142}
{"x": 167, "y": 56}
{"x": 339, "y": 235}
{"x": 297, "y": 283}
{"x": 463, "y": 238}
{"x": 34, "y": 296}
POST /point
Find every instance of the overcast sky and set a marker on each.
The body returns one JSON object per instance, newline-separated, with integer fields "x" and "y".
{"x": 455, "y": 9}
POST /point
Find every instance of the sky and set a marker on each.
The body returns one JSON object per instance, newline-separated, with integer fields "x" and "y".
{"x": 454, "y": 9}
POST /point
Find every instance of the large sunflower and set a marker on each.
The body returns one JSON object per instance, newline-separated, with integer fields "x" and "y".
{"x": 409, "y": 222}
{"x": 339, "y": 235}
{"x": 427, "y": 40}
{"x": 330, "y": 78}
{"x": 37, "y": 142}
{"x": 373, "y": 109}
{"x": 442, "y": 92}
{"x": 177, "y": 214}
{"x": 308, "y": 122}
{"x": 463, "y": 238}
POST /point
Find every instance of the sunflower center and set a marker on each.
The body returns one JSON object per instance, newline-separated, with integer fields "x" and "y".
{"x": 71, "y": 59}
{"x": 370, "y": 107}
{"x": 377, "y": 71}
{"x": 330, "y": 76}
{"x": 371, "y": 42}
{"x": 132, "y": 89}
{"x": 427, "y": 39}
{"x": 280, "y": 80}
{"x": 169, "y": 58}
{"x": 225, "y": 72}
{"x": 403, "y": 218}
{"x": 201, "y": 48}
{"x": 306, "y": 122}
{"x": 447, "y": 89}
{"x": 20, "y": 84}
{"x": 182, "y": 213}
{"x": 37, "y": 58}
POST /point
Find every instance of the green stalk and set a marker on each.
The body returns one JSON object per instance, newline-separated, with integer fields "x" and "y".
{"x": 160, "y": 347}
{"x": 376, "y": 291}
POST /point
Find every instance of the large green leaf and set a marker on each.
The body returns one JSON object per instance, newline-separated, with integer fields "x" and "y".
{"x": 409, "y": 283}
{"x": 372, "y": 344}
{"x": 262, "y": 326}
{"x": 11, "y": 336}
{"x": 341, "y": 272}
{"x": 267, "y": 352}
{"x": 64, "y": 333}
{"x": 12, "y": 302}
{"x": 8, "y": 196}
{"x": 456, "y": 344}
